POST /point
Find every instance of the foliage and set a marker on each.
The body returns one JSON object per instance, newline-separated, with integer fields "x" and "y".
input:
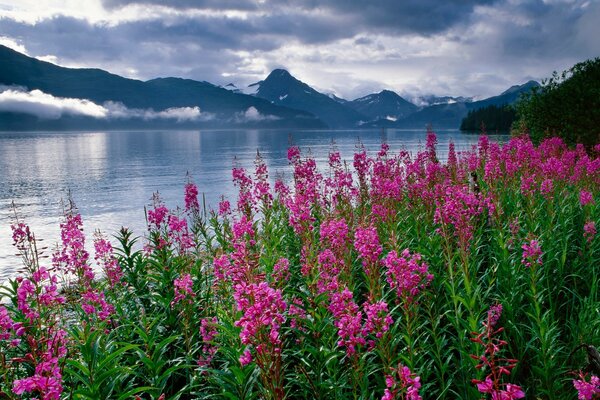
{"x": 567, "y": 105}
{"x": 491, "y": 118}
{"x": 403, "y": 279}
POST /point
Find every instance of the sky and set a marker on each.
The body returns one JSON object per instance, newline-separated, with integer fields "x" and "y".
{"x": 347, "y": 47}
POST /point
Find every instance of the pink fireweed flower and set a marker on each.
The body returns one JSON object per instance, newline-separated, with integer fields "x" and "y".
{"x": 49, "y": 295}
{"x": 366, "y": 242}
{"x": 93, "y": 302}
{"x": 497, "y": 366}
{"x": 157, "y": 215}
{"x": 585, "y": 198}
{"x": 378, "y": 319}
{"x": 296, "y": 313}
{"x": 177, "y": 225}
{"x": 6, "y": 324}
{"x": 179, "y": 234}
{"x": 244, "y": 262}
{"x": 587, "y": 390}
{"x": 184, "y": 291}
{"x": 263, "y": 311}
{"x": 47, "y": 377}
{"x": 403, "y": 384}
{"x": 293, "y": 154}
{"x": 348, "y": 320}
{"x": 387, "y": 184}
{"x": 72, "y": 255}
{"x": 224, "y": 208}
{"x": 208, "y": 333}
{"x": 532, "y": 253}
{"x": 244, "y": 184}
{"x": 243, "y": 228}
{"x": 510, "y": 392}
{"x": 528, "y": 185}
{"x": 282, "y": 190}
{"x": 300, "y": 218}
{"x": 406, "y": 274}
{"x": 246, "y": 357}
{"x": 262, "y": 189}
{"x": 328, "y": 273}
{"x": 361, "y": 165}
{"x": 21, "y": 235}
{"x": 452, "y": 159}
{"x": 589, "y": 231}
{"x": 459, "y": 207}
{"x": 223, "y": 270}
{"x": 25, "y": 291}
{"x": 191, "y": 197}
{"x": 494, "y": 314}
{"x": 281, "y": 272}
{"x": 334, "y": 233}
{"x": 430, "y": 144}
{"x": 108, "y": 262}
{"x": 547, "y": 189}
{"x": 339, "y": 183}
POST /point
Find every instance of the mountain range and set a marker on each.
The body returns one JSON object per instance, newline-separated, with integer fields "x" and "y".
{"x": 36, "y": 94}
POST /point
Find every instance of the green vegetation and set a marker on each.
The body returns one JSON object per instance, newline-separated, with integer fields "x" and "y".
{"x": 567, "y": 105}
{"x": 492, "y": 118}
{"x": 472, "y": 279}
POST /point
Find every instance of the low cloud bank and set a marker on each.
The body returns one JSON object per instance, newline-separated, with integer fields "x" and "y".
{"x": 46, "y": 106}
{"x": 180, "y": 114}
{"x": 253, "y": 115}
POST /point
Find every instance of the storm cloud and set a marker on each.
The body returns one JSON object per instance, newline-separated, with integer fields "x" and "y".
{"x": 349, "y": 47}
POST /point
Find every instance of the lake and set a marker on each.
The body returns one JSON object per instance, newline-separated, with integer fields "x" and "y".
{"x": 113, "y": 175}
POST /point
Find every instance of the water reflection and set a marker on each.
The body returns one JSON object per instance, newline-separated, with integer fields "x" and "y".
{"x": 112, "y": 175}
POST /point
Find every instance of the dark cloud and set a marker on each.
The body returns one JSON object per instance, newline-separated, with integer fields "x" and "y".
{"x": 406, "y": 16}
{"x": 464, "y": 47}
{"x": 188, "y": 4}
{"x": 551, "y": 29}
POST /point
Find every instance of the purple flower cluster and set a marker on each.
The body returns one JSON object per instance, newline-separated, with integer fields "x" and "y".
{"x": 348, "y": 320}
{"x": 589, "y": 231}
{"x": 72, "y": 257}
{"x": 262, "y": 188}
{"x": 191, "y": 197}
{"x": 585, "y": 198}
{"x": 532, "y": 254}
{"x": 184, "y": 291}
{"x": 108, "y": 262}
{"x": 263, "y": 313}
{"x": 497, "y": 366}
{"x": 406, "y": 274}
{"x": 378, "y": 320}
{"x": 458, "y": 207}
{"x": 338, "y": 186}
{"x": 244, "y": 184}
{"x": 6, "y": 324}
{"x": 403, "y": 384}
{"x": 366, "y": 242}
{"x": 157, "y": 216}
{"x": 208, "y": 333}
{"x": 587, "y": 390}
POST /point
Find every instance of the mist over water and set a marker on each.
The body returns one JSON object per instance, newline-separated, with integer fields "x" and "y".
{"x": 112, "y": 175}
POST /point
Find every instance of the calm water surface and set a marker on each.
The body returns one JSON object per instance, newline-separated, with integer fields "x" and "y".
{"x": 112, "y": 175}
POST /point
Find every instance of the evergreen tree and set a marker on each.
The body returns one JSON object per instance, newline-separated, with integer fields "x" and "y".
{"x": 494, "y": 118}
{"x": 566, "y": 105}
